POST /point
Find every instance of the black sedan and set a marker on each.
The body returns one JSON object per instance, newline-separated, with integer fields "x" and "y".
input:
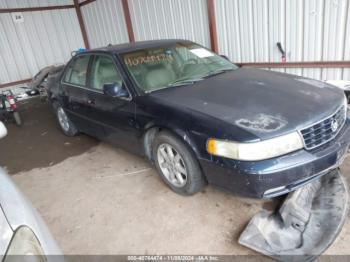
{"x": 201, "y": 119}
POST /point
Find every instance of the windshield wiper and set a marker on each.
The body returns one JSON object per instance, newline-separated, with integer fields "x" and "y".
{"x": 217, "y": 72}
{"x": 180, "y": 82}
{"x": 189, "y": 81}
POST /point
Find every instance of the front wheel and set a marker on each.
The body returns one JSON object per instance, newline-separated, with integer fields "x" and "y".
{"x": 177, "y": 165}
{"x": 64, "y": 122}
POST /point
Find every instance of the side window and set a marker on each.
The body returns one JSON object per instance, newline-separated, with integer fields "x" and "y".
{"x": 76, "y": 73}
{"x": 103, "y": 72}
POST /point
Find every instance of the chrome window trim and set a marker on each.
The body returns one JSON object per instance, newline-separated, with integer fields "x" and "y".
{"x": 98, "y": 91}
{"x": 83, "y": 87}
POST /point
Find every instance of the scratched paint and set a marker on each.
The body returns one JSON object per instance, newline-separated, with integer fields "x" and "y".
{"x": 263, "y": 123}
{"x": 259, "y": 83}
{"x": 309, "y": 93}
{"x": 313, "y": 82}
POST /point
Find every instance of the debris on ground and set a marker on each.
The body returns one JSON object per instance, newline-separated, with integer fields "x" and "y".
{"x": 306, "y": 224}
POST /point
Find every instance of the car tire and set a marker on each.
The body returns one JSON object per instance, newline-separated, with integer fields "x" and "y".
{"x": 186, "y": 161}
{"x": 66, "y": 125}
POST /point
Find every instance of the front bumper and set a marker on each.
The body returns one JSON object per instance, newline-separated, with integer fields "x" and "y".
{"x": 277, "y": 176}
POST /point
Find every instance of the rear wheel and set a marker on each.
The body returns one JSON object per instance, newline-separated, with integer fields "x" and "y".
{"x": 64, "y": 122}
{"x": 177, "y": 165}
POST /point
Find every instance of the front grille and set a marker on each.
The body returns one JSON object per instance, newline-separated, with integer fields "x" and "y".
{"x": 324, "y": 131}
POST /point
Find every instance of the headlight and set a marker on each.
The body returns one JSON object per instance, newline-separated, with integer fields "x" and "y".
{"x": 24, "y": 242}
{"x": 257, "y": 150}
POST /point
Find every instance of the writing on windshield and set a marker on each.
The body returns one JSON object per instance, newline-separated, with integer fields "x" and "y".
{"x": 174, "y": 65}
{"x": 139, "y": 60}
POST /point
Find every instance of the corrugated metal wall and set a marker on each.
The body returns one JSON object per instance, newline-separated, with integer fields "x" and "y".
{"x": 159, "y": 19}
{"x": 44, "y": 38}
{"x": 151, "y": 19}
{"x": 346, "y": 72}
{"x": 248, "y": 30}
{"x": 310, "y": 30}
{"x": 105, "y": 23}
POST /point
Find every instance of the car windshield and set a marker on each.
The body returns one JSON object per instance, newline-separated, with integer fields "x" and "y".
{"x": 180, "y": 64}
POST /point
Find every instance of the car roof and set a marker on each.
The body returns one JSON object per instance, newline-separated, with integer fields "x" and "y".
{"x": 128, "y": 47}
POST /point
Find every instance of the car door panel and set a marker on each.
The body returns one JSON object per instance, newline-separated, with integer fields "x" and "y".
{"x": 73, "y": 100}
{"x": 114, "y": 120}
{"x": 73, "y": 93}
{"x": 112, "y": 117}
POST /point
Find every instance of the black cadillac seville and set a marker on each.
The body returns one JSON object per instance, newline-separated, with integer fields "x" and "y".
{"x": 201, "y": 119}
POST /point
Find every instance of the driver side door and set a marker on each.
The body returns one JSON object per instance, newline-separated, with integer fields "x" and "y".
{"x": 113, "y": 117}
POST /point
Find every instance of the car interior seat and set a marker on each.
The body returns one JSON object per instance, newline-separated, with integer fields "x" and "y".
{"x": 77, "y": 77}
{"x": 159, "y": 76}
{"x": 105, "y": 73}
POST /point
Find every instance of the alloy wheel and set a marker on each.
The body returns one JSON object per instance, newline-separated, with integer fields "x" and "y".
{"x": 63, "y": 119}
{"x": 172, "y": 165}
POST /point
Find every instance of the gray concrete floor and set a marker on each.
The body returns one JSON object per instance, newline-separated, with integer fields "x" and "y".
{"x": 97, "y": 199}
{"x": 106, "y": 201}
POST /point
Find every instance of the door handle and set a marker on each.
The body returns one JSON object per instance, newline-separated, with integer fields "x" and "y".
{"x": 91, "y": 101}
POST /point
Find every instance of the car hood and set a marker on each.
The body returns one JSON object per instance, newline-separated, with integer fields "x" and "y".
{"x": 263, "y": 103}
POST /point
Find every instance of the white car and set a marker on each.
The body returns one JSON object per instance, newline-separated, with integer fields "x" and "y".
{"x": 3, "y": 130}
{"x": 22, "y": 230}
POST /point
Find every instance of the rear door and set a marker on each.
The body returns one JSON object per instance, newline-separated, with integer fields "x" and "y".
{"x": 74, "y": 91}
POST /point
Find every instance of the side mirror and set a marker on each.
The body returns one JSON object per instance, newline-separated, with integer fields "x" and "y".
{"x": 115, "y": 90}
{"x": 223, "y": 56}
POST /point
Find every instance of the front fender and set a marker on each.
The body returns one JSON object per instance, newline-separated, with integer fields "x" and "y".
{"x": 183, "y": 135}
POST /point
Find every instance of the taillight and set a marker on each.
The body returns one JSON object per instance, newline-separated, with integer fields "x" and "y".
{"x": 12, "y": 102}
